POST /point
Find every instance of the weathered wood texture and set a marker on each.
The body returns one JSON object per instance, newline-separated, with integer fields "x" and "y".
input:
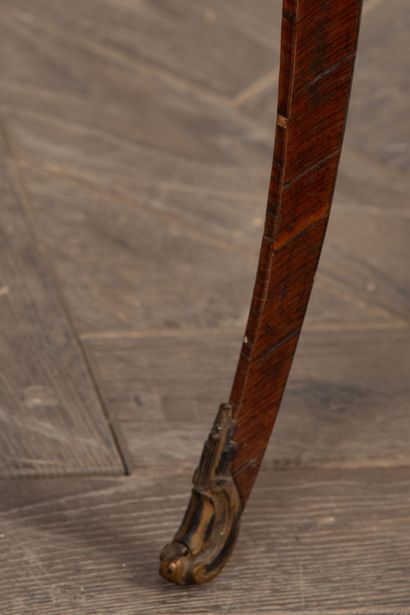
{"x": 335, "y": 411}
{"x": 93, "y": 106}
{"x": 384, "y": 133}
{"x": 317, "y": 58}
{"x": 143, "y": 134}
{"x": 81, "y": 113}
{"x": 91, "y": 236}
{"x": 311, "y": 542}
{"x": 51, "y": 418}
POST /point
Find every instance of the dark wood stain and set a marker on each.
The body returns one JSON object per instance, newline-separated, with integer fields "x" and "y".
{"x": 314, "y": 88}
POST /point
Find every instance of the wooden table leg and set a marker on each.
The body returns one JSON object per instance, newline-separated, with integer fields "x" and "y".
{"x": 318, "y": 47}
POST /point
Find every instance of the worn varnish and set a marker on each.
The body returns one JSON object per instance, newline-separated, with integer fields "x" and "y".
{"x": 319, "y": 42}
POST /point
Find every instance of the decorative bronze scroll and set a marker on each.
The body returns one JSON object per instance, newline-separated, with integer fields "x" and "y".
{"x": 208, "y": 532}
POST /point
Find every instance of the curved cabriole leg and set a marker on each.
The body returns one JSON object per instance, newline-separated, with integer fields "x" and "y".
{"x": 318, "y": 46}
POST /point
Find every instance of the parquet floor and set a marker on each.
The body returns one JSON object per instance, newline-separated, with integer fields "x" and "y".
{"x": 135, "y": 150}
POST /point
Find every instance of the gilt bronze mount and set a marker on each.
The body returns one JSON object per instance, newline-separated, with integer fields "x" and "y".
{"x": 209, "y": 529}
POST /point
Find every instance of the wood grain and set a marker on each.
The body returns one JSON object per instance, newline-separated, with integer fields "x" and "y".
{"x": 377, "y": 276}
{"x": 51, "y": 419}
{"x": 383, "y": 134}
{"x": 317, "y": 59}
{"x": 312, "y": 542}
{"x": 182, "y": 33}
{"x": 91, "y": 237}
{"x": 346, "y": 403}
{"x": 128, "y": 266}
{"x": 82, "y": 95}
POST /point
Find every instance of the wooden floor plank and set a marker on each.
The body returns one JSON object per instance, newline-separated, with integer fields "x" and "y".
{"x": 366, "y": 257}
{"x": 194, "y": 42}
{"x": 346, "y": 403}
{"x": 21, "y": 493}
{"x": 147, "y": 271}
{"x": 311, "y": 542}
{"x": 182, "y": 31}
{"x": 83, "y": 123}
{"x": 371, "y": 187}
{"x": 384, "y": 133}
{"x": 51, "y": 419}
{"x": 102, "y": 243}
{"x": 78, "y": 88}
